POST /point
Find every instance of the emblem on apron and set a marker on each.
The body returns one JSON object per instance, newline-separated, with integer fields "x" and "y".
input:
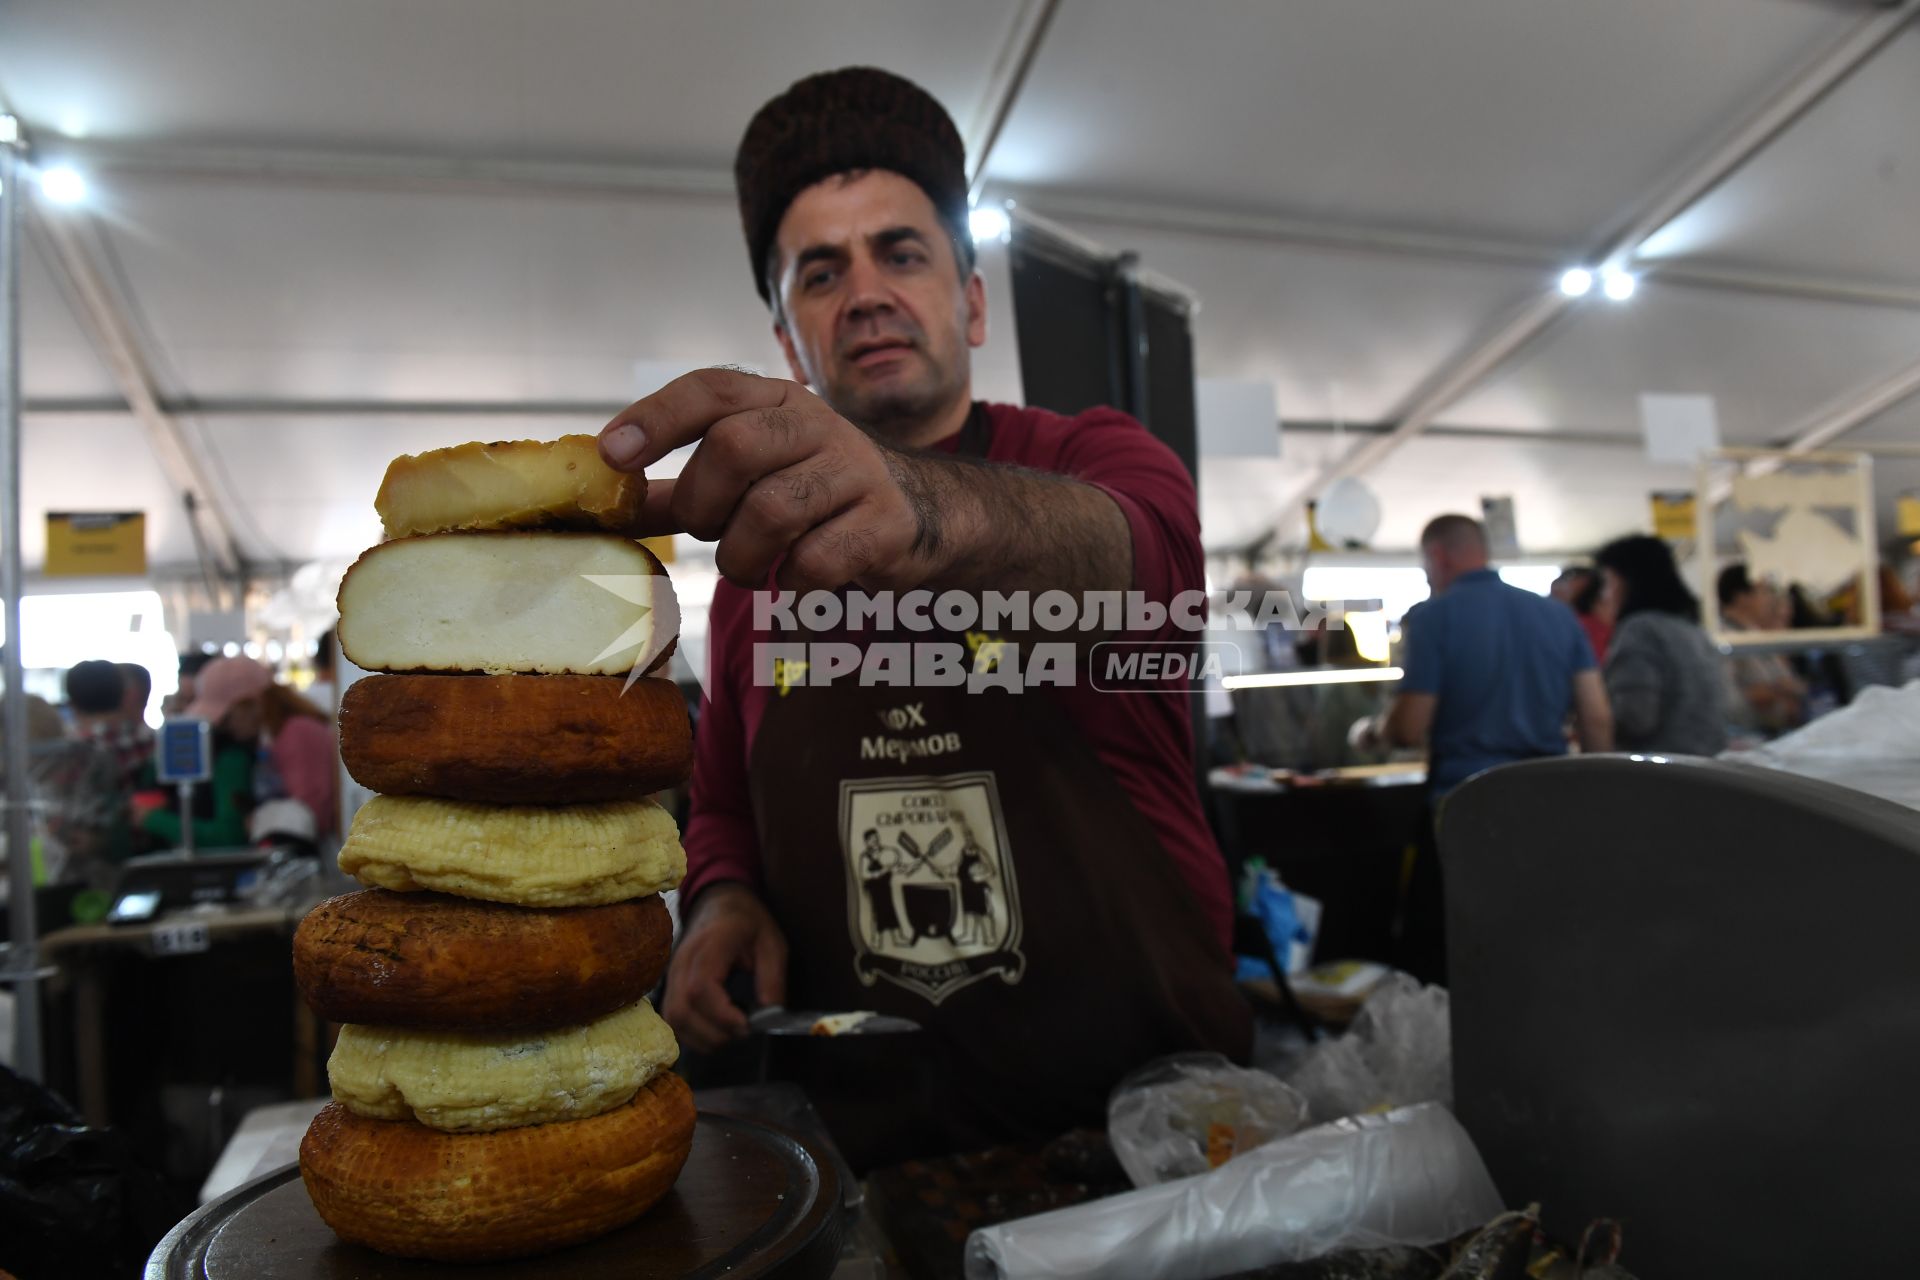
{"x": 931, "y": 899}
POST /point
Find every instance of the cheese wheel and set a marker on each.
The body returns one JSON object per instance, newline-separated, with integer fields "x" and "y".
{"x": 509, "y": 484}
{"x": 433, "y": 962}
{"x": 464, "y": 1082}
{"x": 578, "y": 856}
{"x": 404, "y": 1189}
{"x": 516, "y": 739}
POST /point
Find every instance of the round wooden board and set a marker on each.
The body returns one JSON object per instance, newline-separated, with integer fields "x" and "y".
{"x": 751, "y": 1202}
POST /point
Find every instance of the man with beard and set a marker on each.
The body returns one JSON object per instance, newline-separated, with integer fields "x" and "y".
{"x": 875, "y": 469}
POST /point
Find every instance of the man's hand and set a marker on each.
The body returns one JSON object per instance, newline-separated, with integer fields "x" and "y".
{"x": 730, "y": 928}
{"x": 778, "y": 473}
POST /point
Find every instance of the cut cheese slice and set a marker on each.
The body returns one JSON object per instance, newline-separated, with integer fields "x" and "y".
{"x": 552, "y": 603}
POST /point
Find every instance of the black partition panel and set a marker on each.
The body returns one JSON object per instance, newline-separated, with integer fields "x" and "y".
{"x": 1686, "y": 995}
{"x": 1092, "y": 333}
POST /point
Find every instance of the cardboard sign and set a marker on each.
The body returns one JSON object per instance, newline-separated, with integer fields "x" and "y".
{"x": 83, "y": 543}
{"x": 1675, "y": 515}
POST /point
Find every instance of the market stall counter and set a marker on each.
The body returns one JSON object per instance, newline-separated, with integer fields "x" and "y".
{"x": 169, "y": 1029}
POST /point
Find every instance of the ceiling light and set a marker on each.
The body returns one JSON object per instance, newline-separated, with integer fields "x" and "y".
{"x": 988, "y": 222}
{"x": 1617, "y": 284}
{"x": 1576, "y": 282}
{"x": 63, "y": 185}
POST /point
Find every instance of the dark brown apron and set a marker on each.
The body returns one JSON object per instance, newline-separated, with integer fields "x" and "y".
{"x": 965, "y": 860}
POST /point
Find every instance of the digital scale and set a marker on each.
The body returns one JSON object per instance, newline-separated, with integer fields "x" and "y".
{"x": 149, "y": 887}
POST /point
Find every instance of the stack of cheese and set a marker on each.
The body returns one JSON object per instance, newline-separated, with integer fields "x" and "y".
{"x": 501, "y": 1085}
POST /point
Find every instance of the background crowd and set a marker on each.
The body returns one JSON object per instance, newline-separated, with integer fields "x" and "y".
{"x": 98, "y": 800}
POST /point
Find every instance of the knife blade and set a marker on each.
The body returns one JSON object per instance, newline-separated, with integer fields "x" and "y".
{"x": 776, "y": 1021}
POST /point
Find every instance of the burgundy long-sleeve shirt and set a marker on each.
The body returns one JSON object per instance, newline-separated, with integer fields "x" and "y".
{"x": 1145, "y": 738}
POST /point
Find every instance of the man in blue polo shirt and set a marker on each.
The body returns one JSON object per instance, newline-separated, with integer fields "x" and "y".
{"x": 1492, "y": 670}
{"x": 1492, "y": 673}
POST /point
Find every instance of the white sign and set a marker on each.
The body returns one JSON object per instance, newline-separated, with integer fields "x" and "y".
{"x": 1236, "y": 419}
{"x": 179, "y": 939}
{"x": 1678, "y": 428}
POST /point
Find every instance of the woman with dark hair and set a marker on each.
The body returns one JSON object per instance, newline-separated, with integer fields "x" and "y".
{"x": 1665, "y": 679}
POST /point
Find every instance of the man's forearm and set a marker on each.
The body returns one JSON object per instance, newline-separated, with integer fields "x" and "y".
{"x": 1004, "y": 528}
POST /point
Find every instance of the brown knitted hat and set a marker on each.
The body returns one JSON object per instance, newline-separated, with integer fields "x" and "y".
{"x": 854, "y": 118}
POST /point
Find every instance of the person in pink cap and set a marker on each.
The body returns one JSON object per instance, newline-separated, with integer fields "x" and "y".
{"x": 247, "y": 708}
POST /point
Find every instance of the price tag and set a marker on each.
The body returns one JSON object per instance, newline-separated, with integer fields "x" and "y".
{"x": 179, "y": 939}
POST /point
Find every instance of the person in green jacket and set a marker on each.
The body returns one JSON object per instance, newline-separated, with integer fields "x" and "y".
{"x": 221, "y": 806}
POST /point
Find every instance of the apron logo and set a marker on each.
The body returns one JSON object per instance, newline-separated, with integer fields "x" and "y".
{"x": 910, "y": 716}
{"x": 931, "y": 899}
{"x": 987, "y": 650}
{"x": 788, "y": 672}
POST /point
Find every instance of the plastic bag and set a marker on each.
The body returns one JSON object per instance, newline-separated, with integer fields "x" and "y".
{"x": 1399, "y": 1051}
{"x": 1193, "y": 1112}
{"x": 1411, "y": 1177}
{"x": 1290, "y": 920}
{"x": 73, "y": 1202}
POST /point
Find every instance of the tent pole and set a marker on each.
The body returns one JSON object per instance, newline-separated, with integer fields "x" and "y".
{"x": 22, "y": 956}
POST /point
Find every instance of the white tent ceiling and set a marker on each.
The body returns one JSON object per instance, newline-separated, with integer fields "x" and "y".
{"x": 316, "y": 219}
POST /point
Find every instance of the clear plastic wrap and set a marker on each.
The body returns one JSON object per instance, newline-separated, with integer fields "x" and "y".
{"x": 1410, "y": 1177}
{"x": 1399, "y": 1051}
{"x": 1193, "y": 1112}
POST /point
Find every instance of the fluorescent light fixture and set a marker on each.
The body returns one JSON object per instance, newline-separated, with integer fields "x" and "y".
{"x": 988, "y": 222}
{"x": 1576, "y": 282}
{"x": 1537, "y": 578}
{"x": 1617, "y": 284}
{"x": 1397, "y": 587}
{"x": 1294, "y": 679}
{"x": 63, "y": 184}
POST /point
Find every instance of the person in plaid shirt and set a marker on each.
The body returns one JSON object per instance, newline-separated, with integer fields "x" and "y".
{"x": 78, "y": 802}
{"x": 109, "y": 702}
